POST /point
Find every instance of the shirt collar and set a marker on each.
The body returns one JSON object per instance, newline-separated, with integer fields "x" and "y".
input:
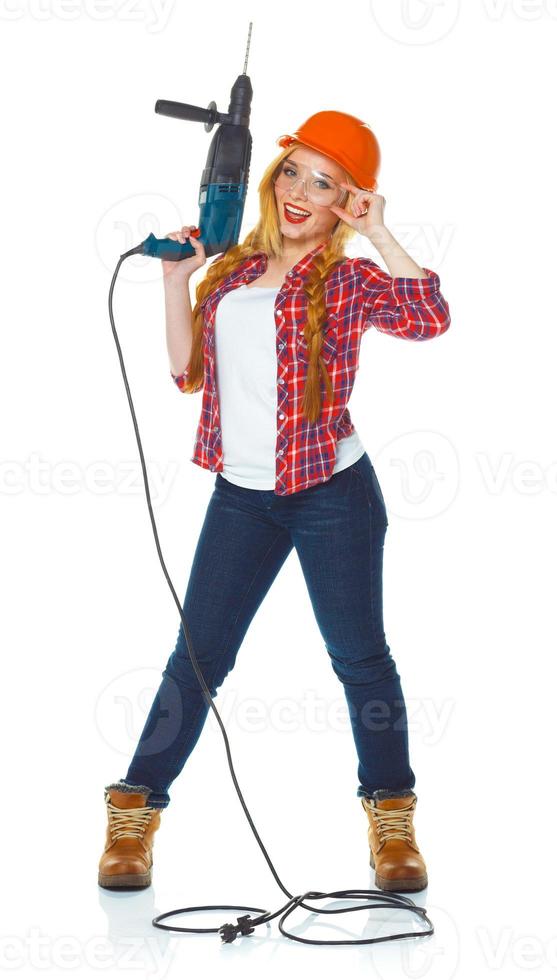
{"x": 302, "y": 267}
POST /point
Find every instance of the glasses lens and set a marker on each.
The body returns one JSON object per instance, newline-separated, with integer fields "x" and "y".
{"x": 320, "y": 189}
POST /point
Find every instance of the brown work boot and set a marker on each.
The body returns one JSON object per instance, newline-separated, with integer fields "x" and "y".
{"x": 394, "y": 854}
{"x": 127, "y": 859}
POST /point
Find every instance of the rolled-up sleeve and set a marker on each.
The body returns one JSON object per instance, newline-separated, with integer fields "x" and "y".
{"x": 408, "y": 307}
{"x": 180, "y": 380}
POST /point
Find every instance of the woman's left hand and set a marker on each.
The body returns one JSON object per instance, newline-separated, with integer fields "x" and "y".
{"x": 367, "y": 209}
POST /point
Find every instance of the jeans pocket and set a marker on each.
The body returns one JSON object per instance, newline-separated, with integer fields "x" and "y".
{"x": 364, "y": 472}
{"x": 377, "y": 488}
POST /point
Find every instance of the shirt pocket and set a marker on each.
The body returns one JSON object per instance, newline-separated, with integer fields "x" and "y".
{"x": 329, "y": 345}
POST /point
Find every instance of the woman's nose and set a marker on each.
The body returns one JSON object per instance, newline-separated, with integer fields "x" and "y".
{"x": 296, "y": 187}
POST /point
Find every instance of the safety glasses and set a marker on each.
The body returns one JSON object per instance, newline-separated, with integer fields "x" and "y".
{"x": 316, "y": 186}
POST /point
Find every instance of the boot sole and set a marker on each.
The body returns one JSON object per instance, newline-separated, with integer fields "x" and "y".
{"x": 125, "y": 881}
{"x": 399, "y": 884}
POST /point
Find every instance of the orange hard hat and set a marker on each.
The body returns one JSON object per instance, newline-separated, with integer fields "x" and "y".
{"x": 344, "y": 138}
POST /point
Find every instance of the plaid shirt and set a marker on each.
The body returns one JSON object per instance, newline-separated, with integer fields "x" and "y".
{"x": 358, "y": 295}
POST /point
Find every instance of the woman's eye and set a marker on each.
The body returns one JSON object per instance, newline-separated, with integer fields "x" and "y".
{"x": 319, "y": 182}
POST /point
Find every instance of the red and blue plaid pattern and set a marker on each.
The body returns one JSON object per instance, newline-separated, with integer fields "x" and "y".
{"x": 358, "y": 295}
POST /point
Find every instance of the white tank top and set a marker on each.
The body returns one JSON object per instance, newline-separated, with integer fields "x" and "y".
{"x": 246, "y": 374}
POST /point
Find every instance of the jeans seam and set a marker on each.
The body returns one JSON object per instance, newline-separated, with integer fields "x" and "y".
{"x": 230, "y": 632}
{"x": 372, "y": 583}
{"x": 364, "y": 484}
{"x": 249, "y": 588}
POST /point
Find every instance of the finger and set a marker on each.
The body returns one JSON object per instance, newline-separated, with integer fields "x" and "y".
{"x": 345, "y": 215}
{"x": 351, "y": 187}
{"x": 364, "y": 198}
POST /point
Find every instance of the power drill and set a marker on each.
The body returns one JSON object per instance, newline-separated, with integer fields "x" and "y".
{"x": 224, "y": 182}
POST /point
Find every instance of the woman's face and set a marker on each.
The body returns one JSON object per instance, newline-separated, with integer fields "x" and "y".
{"x": 321, "y": 220}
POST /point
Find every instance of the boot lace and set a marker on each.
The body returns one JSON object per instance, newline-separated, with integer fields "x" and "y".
{"x": 130, "y": 822}
{"x": 394, "y": 823}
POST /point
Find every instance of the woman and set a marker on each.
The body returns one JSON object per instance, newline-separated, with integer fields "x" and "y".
{"x": 273, "y": 342}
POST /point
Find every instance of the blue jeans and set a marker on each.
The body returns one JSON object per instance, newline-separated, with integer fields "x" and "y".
{"x": 337, "y": 528}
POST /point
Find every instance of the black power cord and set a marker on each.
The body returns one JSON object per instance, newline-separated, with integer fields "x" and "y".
{"x": 245, "y": 924}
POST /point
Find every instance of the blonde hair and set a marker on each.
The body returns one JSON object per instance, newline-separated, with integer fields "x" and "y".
{"x": 266, "y": 236}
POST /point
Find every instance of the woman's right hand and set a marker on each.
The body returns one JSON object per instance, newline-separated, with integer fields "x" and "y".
{"x": 180, "y": 271}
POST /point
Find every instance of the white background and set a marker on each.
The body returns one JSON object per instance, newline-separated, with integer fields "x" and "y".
{"x": 461, "y": 433}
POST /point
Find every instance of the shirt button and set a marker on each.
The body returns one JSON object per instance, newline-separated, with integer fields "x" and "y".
{"x": 281, "y": 452}
{"x": 281, "y": 416}
{"x": 290, "y": 274}
{"x": 280, "y": 313}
